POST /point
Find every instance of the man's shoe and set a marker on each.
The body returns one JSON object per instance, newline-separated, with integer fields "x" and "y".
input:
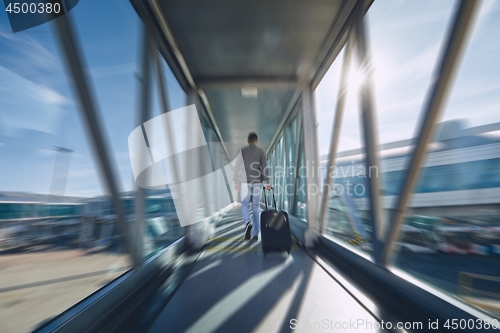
{"x": 248, "y": 231}
{"x": 255, "y": 239}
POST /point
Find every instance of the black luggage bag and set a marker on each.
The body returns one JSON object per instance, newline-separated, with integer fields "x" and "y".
{"x": 275, "y": 229}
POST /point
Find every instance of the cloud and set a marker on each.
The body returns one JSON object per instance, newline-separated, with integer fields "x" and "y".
{"x": 26, "y": 104}
{"x": 30, "y": 57}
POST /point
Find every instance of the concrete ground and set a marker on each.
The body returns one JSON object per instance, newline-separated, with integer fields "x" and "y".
{"x": 37, "y": 286}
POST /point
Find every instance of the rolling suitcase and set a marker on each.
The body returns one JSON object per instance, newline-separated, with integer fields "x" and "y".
{"x": 275, "y": 229}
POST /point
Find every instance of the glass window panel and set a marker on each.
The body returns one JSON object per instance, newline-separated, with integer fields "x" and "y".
{"x": 402, "y": 73}
{"x": 289, "y": 161}
{"x": 450, "y": 236}
{"x": 281, "y": 197}
{"x": 347, "y": 216}
{"x": 56, "y": 221}
{"x": 326, "y": 94}
{"x": 405, "y": 42}
{"x": 159, "y": 204}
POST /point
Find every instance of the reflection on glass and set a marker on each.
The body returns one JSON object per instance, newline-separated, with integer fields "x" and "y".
{"x": 451, "y": 238}
{"x": 54, "y": 251}
{"x": 161, "y": 225}
{"x": 347, "y": 215}
{"x": 60, "y": 239}
{"x": 451, "y": 235}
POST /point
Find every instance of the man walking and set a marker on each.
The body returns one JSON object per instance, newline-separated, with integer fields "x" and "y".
{"x": 254, "y": 160}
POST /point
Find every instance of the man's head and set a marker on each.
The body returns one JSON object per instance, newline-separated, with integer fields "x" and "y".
{"x": 252, "y": 138}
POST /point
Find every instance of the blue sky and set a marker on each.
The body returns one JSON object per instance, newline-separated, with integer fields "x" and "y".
{"x": 406, "y": 39}
{"x": 38, "y": 110}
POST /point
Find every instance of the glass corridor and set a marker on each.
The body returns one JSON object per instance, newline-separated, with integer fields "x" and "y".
{"x": 380, "y": 125}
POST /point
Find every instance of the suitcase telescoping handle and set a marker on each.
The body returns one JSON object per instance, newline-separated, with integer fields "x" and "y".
{"x": 265, "y": 197}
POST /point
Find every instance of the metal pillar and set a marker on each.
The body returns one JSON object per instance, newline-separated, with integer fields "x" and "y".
{"x": 195, "y": 232}
{"x": 89, "y": 112}
{"x": 284, "y": 149}
{"x": 337, "y": 124}
{"x": 165, "y": 104}
{"x": 311, "y": 158}
{"x": 438, "y": 92}
{"x": 296, "y": 162}
{"x": 368, "y": 116}
{"x": 281, "y": 163}
{"x": 144, "y": 113}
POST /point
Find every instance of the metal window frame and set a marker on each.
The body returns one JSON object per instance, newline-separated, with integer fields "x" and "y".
{"x": 165, "y": 104}
{"x": 370, "y": 135}
{"x": 279, "y": 163}
{"x": 298, "y": 145}
{"x": 144, "y": 114}
{"x": 88, "y": 108}
{"x": 294, "y": 112}
{"x": 336, "y": 127}
{"x": 299, "y": 164}
{"x": 289, "y": 113}
{"x": 311, "y": 159}
{"x": 150, "y": 12}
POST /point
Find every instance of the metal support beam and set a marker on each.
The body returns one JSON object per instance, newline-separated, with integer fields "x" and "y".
{"x": 183, "y": 67}
{"x": 368, "y": 119}
{"x": 165, "y": 28}
{"x": 433, "y": 108}
{"x": 165, "y": 101}
{"x": 89, "y": 113}
{"x": 195, "y": 232}
{"x": 144, "y": 113}
{"x": 311, "y": 158}
{"x": 165, "y": 104}
{"x": 296, "y": 161}
{"x": 336, "y": 126}
{"x": 284, "y": 152}
{"x": 337, "y": 40}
